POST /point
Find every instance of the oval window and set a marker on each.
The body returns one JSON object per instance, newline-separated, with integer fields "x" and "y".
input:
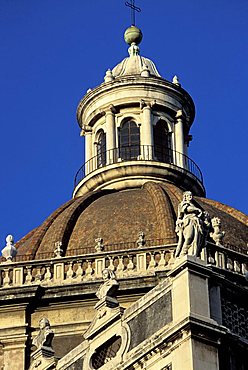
{"x": 106, "y": 352}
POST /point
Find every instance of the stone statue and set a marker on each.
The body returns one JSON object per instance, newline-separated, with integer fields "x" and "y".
{"x": 99, "y": 244}
{"x": 192, "y": 227}
{"x": 217, "y": 235}
{"x": 45, "y": 335}
{"x": 58, "y": 250}
{"x": 109, "y": 286}
{"x": 141, "y": 240}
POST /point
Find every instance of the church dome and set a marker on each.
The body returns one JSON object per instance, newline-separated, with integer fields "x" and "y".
{"x": 118, "y": 216}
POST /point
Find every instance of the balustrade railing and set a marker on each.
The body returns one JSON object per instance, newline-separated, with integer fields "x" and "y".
{"x": 138, "y": 153}
{"x": 138, "y": 261}
{"x": 226, "y": 258}
{"x": 74, "y": 269}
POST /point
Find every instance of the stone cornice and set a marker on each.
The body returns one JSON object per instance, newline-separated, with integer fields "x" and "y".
{"x": 131, "y": 82}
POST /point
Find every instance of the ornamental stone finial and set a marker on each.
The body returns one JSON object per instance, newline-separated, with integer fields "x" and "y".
{"x": 58, "y": 250}
{"x": 192, "y": 227}
{"x": 133, "y": 35}
{"x": 133, "y": 50}
{"x": 141, "y": 239}
{"x": 217, "y": 235}
{"x": 108, "y": 76}
{"x": 9, "y": 251}
{"x": 175, "y": 81}
{"x": 45, "y": 335}
{"x": 99, "y": 244}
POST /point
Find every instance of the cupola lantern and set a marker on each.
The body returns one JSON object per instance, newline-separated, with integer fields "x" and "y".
{"x": 136, "y": 127}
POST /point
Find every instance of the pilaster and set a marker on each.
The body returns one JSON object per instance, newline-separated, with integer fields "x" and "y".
{"x": 146, "y": 130}
{"x": 179, "y": 139}
{"x": 87, "y": 133}
{"x": 110, "y": 133}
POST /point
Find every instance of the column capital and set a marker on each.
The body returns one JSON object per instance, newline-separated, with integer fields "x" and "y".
{"x": 147, "y": 104}
{"x": 111, "y": 109}
{"x": 180, "y": 115}
{"x": 86, "y": 129}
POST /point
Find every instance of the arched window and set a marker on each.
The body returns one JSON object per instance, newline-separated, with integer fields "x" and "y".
{"x": 101, "y": 149}
{"x": 162, "y": 142}
{"x": 129, "y": 140}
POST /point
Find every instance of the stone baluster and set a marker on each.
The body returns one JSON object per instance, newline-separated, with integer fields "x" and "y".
{"x": 79, "y": 272}
{"x": 38, "y": 275}
{"x": 70, "y": 272}
{"x": 48, "y": 275}
{"x": 120, "y": 268}
{"x": 244, "y": 268}
{"x": 130, "y": 265}
{"x": 111, "y": 263}
{"x": 217, "y": 258}
{"x": 88, "y": 271}
{"x": 152, "y": 263}
{"x": 162, "y": 262}
{"x": 29, "y": 277}
{"x": 237, "y": 266}
{"x": 229, "y": 264}
{"x": 172, "y": 257}
{"x": 206, "y": 256}
{"x": 6, "y": 279}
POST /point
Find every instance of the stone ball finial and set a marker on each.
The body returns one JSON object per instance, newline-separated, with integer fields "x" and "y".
{"x": 133, "y": 35}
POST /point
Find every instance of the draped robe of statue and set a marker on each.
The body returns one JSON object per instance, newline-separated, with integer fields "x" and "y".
{"x": 191, "y": 227}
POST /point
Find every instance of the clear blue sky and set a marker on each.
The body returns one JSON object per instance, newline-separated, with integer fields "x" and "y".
{"x": 52, "y": 51}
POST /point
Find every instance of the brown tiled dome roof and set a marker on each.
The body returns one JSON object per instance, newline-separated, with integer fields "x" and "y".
{"x": 118, "y": 217}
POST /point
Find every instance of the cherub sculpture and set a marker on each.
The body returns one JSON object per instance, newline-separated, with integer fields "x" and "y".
{"x": 192, "y": 227}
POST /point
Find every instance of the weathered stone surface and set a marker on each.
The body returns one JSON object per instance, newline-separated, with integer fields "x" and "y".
{"x": 151, "y": 319}
{"x": 77, "y": 365}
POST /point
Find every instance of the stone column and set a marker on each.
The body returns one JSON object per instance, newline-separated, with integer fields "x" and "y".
{"x": 179, "y": 140}
{"x": 110, "y": 135}
{"x": 87, "y": 133}
{"x": 146, "y": 132}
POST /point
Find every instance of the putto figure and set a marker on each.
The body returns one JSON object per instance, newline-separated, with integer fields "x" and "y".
{"x": 109, "y": 286}
{"x": 45, "y": 335}
{"x": 192, "y": 227}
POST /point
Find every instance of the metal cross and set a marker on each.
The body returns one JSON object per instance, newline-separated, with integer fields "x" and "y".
{"x": 133, "y": 10}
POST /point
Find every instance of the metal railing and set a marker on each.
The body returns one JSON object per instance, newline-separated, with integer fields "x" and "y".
{"x": 138, "y": 153}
